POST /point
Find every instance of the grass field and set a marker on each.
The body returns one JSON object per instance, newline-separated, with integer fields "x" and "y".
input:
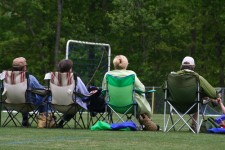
{"x": 18, "y": 138}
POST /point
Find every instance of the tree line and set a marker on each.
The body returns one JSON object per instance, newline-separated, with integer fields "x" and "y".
{"x": 155, "y": 35}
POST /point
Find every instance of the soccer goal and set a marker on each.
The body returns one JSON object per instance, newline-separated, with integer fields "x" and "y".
{"x": 91, "y": 60}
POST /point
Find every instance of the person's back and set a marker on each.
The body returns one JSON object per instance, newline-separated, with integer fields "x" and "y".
{"x": 207, "y": 90}
{"x": 120, "y": 70}
{"x": 65, "y": 66}
{"x": 20, "y": 64}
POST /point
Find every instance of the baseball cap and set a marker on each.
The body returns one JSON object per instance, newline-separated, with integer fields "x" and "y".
{"x": 188, "y": 61}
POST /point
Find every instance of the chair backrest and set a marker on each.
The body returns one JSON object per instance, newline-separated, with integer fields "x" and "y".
{"x": 183, "y": 90}
{"x": 62, "y": 87}
{"x": 15, "y": 86}
{"x": 120, "y": 91}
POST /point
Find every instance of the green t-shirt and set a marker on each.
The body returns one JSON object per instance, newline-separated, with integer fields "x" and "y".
{"x": 206, "y": 88}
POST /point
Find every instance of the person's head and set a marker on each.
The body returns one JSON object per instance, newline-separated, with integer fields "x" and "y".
{"x": 19, "y": 64}
{"x": 65, "y": 65}
{"x": 188, "y": 63}
{"x": 120, "y": 62}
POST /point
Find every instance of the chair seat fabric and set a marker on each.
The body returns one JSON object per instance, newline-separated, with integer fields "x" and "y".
{"x": 19, "y": 97}
{"x": 182, "y": 97}
{"x": 15, "y": 86}
{"x": 64, "y": 98}
{"x": 182, "y": 91}
{"x": 120, "y": 96}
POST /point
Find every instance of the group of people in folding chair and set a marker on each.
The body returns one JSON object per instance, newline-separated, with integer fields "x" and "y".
{"x": 120, "y": 64}
{"x": 120, "y": 70}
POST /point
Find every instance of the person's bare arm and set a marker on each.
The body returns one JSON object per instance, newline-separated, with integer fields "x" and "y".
{"x": 219, "y": 100}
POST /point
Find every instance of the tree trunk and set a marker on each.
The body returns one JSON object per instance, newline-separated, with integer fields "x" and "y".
{"x": 58, "y": 30}
{"x": 220, "y": 59}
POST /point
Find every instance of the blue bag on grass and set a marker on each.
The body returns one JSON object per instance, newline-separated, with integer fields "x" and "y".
{"x": 124, "y": 126}
{"x": 217, "y": 130}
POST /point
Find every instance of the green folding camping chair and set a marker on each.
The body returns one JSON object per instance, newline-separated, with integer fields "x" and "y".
{"x": 120, "y": 97}
{"x": 182, "y": 95}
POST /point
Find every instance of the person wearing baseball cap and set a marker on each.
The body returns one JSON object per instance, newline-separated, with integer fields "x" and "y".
{"x": 208, "y": 91}
{"x": 20, "y": 64}
{"x": 188, "y": 61}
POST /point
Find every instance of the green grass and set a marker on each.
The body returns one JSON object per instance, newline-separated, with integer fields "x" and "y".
{"x": 18, "y": 138}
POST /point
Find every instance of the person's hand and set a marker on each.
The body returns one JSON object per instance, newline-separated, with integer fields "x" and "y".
{"x": 222, "y": 123}
{"x": 219, "y": 100}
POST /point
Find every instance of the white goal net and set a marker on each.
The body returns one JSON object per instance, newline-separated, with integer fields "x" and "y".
{"x": 91, "y": 60}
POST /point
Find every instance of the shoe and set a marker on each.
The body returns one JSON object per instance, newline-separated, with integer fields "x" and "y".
{"x": 25, "y": 124}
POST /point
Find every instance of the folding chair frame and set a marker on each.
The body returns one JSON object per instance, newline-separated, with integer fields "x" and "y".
{"x": 75, "y": 105}
{"x": 172, "y": 110}
{"x": 94, "y": 117}
{"x": 79, "y": 112}
{"x": 14, "y": 109}
{"x": 12, "y": 113}
{"x": 121, "y": 117}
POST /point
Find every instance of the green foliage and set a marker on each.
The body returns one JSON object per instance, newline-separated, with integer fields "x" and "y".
{"x": 154, "y": 35}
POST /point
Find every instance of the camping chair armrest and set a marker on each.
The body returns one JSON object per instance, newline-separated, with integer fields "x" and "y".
{"x": 138, "y": 91}
{"x": 41, "y": 92}
{"x": 150, "y": 91}
{"x": 81, "y": 95}
{"x": 85, "y": 98}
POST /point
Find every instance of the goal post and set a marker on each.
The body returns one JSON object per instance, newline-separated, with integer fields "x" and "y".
{"x": 89, "y": 43}
{"x": 91, "y": 60}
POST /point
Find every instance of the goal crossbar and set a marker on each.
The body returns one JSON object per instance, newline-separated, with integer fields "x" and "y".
{"x": 89, "y": 43}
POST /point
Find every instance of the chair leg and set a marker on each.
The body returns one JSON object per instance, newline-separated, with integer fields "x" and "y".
{"x": 1, "y": 118}
{"x": 11, "y": 117}
{"x": 93, "y": 119}
{"x": 80, "y": 118}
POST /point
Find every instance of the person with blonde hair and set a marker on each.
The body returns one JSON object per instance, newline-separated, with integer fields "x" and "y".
{"x": 120, "y": 63}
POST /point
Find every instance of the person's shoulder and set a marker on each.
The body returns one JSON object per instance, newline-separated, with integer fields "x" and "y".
{"x": 122, "y": 71}
{"x": 131, "y": 72}
{"x": 78, "y": 78}
{"x": 32, "y": 77}
{"x": 185, "y": 71}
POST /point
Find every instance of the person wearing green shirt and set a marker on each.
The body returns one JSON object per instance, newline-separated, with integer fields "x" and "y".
{"x": 207, "y": 90}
